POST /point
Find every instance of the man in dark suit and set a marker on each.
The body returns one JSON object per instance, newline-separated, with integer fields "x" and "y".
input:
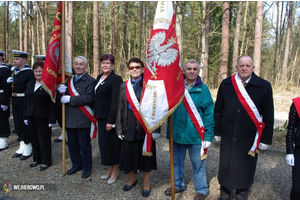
{"x": 244, "y": 117}
{"x": 78, "y": 99}
{"x": 22, "y": 75}
{"x": 5, "y": 94}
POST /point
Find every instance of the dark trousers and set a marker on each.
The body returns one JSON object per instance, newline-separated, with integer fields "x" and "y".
{"x": 20, "y": 127}
{"x": 240, "y": 194}
{"x": 80, "y": 149}
{"x": 40, "y": 136}
{"x": 4, "y": 125}
{"x": 295, "y": 193}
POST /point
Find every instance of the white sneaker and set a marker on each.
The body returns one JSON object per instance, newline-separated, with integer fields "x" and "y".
{"x": 3, "y": 143}
{"x": 21, "y": 148}
{"x": 27, "y": 150}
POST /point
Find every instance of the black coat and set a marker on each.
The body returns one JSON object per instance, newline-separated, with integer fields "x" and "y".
{"x": 106, "y": 97}
{"x": 133, "y": 129}
{"x": 38, "y": 103}
{"x": 293, "y": 132}
{"x": 237, "y": 131}
{"x": 5, "y": 88}
{"x": 75, "y": 117}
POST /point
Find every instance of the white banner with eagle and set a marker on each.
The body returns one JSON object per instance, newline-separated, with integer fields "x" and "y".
{"x": 163, "y": 87}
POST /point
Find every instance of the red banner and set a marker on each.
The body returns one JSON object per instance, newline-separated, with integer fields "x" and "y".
{"x": 51, "y": 76}
{"x": 163, "y": 87}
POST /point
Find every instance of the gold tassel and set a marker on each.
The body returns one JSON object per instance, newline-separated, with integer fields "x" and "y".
{"x": 204, "y": 157}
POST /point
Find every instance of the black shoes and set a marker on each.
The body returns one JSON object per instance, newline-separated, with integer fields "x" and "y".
{"x": 44, "y": 167}
{"x": 16, "y": 155}
{"x": 73, "y": 170}
{"x": 24, "y": 157}
{"x": 169, "y": 193}
{"x": 57, "y": 140}
{"x": 146, "y": 193}
{"x": 34, "y": 164}
{"x": 86, "y": 174}
{"x": 128, "y": 187}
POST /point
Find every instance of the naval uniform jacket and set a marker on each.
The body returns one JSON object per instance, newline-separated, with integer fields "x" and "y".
{"x": 237, "y": 131}
{"x": 5, "y": 89}
{"x": 75, "y": 118}
{"x": 106, "y": 97}
{"x": 20, "y": 82}
{"x": 38, "y": 103}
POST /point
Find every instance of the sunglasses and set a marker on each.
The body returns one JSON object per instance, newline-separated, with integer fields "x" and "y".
{"x": 134, "y": 67}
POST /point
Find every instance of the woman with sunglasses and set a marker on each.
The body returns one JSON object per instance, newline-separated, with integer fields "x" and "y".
{"x": 130, "y": 131}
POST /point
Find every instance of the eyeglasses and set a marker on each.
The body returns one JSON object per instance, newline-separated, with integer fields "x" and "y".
{"x": 135, "y": 67}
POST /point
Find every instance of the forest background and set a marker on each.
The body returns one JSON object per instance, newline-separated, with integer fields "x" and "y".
{"x": 215, "y": 33}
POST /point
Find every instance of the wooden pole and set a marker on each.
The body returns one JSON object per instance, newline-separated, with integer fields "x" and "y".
{"x": 172, "y": 157}
{"x": 63, "y": 20}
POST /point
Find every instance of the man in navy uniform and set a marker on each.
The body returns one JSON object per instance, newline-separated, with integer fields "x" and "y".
{"x": 5, "y": 94}
{"x": 22, "y": 75}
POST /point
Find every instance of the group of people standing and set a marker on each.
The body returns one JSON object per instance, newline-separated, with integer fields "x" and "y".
{"x": 241, "y": 120}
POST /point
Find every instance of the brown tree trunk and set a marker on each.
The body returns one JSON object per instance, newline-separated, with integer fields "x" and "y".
{"x": 113, "y": 30}
{"x": 225, "y": 41}
{"x": 140, "y": 29}
{"x": 237, "y": 36}
{"x": 287, "y": 45}
{"x": 258, "y": 36}
{"x": 86, "y": 30}
{"x": 275, "y": 46}
{"x": 125, "y": 55}
{"x": 26, "y": 28}
{"x": 207, "y": 29}
{"x": 38, "y": 7}
{"x": 70, "y": 30}
{"x": 96, "y": 38}
{"x": 20, "y": 27}
{"x": 46, "y": 22}
{"x": 178, "y": 26}
{"x": 242, "y": 52}
{"x": 7, "y": 31}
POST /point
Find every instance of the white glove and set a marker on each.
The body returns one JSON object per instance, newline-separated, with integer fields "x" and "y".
{"x": 26, "y": 122}
{"x": 121, "y": 137}
{"x": 10, "y": 80}
{"x": 62, "y": 88}
{"x": 206, "y": 144}
{"x": 155, "y": 136}
{"x": 290, "y": 160}
{"x": 218, "y": 138}
{"x": 13, "y": 68}
{"x": 4, "y": 107}
{"x": 51, "y": 125}
{"x": 65, "y": 99}
{"x": 263, "y": 146}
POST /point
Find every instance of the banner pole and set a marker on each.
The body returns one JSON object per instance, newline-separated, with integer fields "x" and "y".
{"x": 63, "y": 20}
{"x": 172, "y": 157}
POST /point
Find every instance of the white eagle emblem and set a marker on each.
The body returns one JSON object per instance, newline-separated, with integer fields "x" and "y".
{"x": 161, "y": 55}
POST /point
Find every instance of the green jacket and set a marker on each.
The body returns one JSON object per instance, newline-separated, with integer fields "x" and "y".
{"x": 184, "y": 132}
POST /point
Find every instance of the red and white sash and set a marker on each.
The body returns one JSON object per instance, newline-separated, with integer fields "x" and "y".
{"x": 251, "y": 109}
{"x": 297, "y": 104}
{"x": 135, "y": 106}
{"x": 196, "y": 119}
{"x": 85, "y": 109}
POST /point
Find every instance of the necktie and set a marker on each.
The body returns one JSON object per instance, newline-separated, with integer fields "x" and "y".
{"x": 77, "y": 79}
{"x": 244, "y": 83}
